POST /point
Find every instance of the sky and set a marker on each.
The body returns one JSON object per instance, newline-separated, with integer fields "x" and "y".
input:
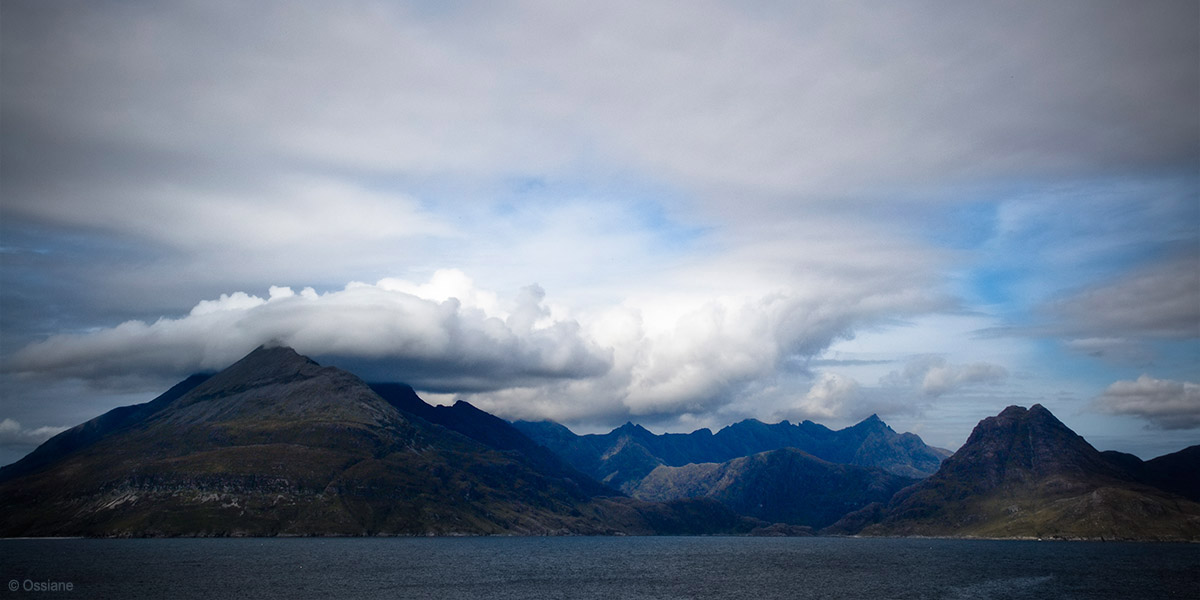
{"x": 681, "y": 214}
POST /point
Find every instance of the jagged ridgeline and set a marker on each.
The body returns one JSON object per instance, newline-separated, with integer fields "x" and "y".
{"x": 279, "y": 445}
{"x": 802, "y": 475}
{"x": 626, "y": 455}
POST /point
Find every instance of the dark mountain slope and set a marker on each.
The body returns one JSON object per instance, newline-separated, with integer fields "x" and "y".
{"x": 780, "y": 486}
{"x": 278, "y": 445}
{"x": 1178, "y": 472}
{"x": 490, "y": 430}
{"x": 85, "y": 434}
{"x": 1023, "y": 473}
{"x": 622, "y": 457}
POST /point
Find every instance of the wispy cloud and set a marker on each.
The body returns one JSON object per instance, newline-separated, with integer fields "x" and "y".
{"x": 1160, "y": 300}
{"x": 934, "y": 376}
{"x": 13, "y": 434}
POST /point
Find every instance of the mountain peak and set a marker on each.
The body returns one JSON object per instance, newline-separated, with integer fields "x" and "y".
{"x": 630, "y": 428}
{"x": 1014, "y": 412}
{"x": 274, "y": 383}
{"x": 1023, "y": 473}
{"x": 277, "y": 356}
{"x": 872, "y": 423}
{"x": 264, "y": 365}
{"x": 1022, "y": 445}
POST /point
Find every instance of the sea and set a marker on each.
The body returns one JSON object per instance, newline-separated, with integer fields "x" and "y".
{"x": 595, "y": 567}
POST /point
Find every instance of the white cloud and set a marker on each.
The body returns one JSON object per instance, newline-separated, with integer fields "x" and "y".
{"x": 517, "y": 357}
{"x": 1165, "y": 403}
{"x": 436, "y": 341}
{"x": 13, "y": 434}
{"x": 934, "y": 376}
{"x": 827, "y": 397}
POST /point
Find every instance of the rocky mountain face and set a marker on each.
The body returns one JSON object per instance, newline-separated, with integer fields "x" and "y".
{"x": 786, "y": 486}
{"x": 626, "y": 455}
{"x": 278, "y": 445}
{"x": 1023, "y": 473}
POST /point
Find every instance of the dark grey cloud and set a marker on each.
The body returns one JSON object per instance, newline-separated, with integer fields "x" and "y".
{"x": 1165, "y": 404}
{"x": 815, "y": 98}
{"x": 1159, "y": 300}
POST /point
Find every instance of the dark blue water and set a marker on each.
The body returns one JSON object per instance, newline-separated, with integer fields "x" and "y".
{"x": 602, "y": 567}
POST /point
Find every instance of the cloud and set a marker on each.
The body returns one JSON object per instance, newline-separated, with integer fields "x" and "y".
{"x": 704, "y": 193}
{"x": 826, "y": 398}
{"x": 766, "y": 106}
{"x": 436, "y": 341}
{"x": 522, "y": 357}
{"x": 1161, "y": 300}
{"x": 12, "y": 434}
{"x": 1165, "y": 403}
{"x": 934, "y": 376}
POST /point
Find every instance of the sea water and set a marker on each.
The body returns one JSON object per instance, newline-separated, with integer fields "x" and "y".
{"x": 595, "y": 567}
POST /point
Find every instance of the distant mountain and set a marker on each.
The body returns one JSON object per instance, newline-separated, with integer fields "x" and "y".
{"x": 779, "y": 486}
{"x": 1023, "y": 473}
{"x": 624, "y": 456}
{"x": 1178, "y": 472}
{"x": 490, "y": 430}
{"x": 278, "y": 445}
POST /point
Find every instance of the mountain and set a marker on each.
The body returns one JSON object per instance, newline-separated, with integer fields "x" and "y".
{"x": 1023, "y": 473}
{"x": 624, "y": 456}
{"x": 279, "y": 445}
{"x": 83, "y": 435}
{"x": 1178, "y": 472}
{"x": 779, "y": 486}
{"x": 490, "y": 430}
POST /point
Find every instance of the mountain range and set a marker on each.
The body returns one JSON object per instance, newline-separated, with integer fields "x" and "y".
{"x": 803, "y": 474}
{"x": 1023, "y": 473}
{"x": 626, "y": 455}
{"x": 276, "y": 444}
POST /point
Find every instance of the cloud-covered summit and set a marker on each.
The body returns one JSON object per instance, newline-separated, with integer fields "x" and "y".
{"x": 449, "y": 336}
{"x": 440, "y": 335}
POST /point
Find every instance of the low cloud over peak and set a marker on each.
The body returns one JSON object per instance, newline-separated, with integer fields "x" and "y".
{"x": 428, "y": 337}
{"x": 518, "y": 356}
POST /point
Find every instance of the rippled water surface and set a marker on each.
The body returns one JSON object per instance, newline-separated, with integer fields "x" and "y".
{"x": 636, "y": 567}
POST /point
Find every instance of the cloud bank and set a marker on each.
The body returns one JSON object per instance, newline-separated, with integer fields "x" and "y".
{"x": 520, "y": 356}
{"x": 436, "y": 339}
